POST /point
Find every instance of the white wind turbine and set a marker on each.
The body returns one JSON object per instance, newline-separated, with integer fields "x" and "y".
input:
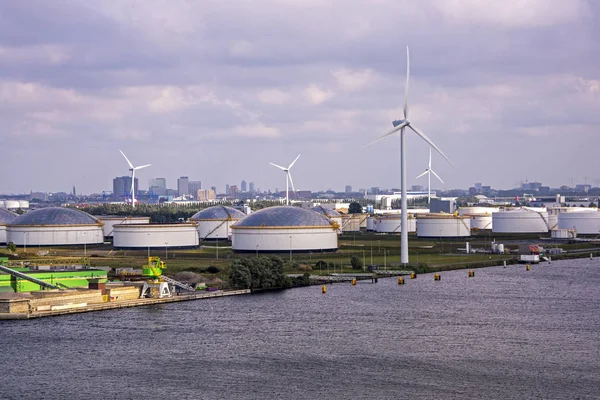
{"x": 429, "y": 171}
{"x": 399, "y": 125}
{"x": 133, "y": 169}
{"x": 288, "y": 175}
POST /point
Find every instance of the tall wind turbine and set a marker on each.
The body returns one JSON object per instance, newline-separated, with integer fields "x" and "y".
{"x": 288, "y": 175}
{"x": 399, "y": 125}
{"x": 429, "y": 171}
{"x": 133, "y": 169}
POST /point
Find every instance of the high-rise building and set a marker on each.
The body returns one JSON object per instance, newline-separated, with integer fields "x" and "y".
{"x": 183, "y": 186}
{"x": 122, "y": 186}
{"x": 214, "y": 188}
{"x": 252, "y": 189}
{"x": 157, "y": 186}
{"x": 348, "y": 189}
{"x": 206, "y": 195}
{"x": 233, "y": 191}
{"x": 193, "y": 187}
{"x": 243, "y": 186}
{"x": 227, "y": 189}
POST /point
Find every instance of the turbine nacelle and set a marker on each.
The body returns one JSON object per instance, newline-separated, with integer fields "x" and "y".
{"x": 400, "y": 121}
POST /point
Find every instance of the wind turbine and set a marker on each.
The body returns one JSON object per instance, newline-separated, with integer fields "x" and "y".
{"x": 399, "y": 125}
{"x": 287, "y": 175}
{"x": 133, "y": 169}
{"x": 429, "y": 171}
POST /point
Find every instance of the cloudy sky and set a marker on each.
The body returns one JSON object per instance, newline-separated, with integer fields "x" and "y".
{"x": 215, "y": 90}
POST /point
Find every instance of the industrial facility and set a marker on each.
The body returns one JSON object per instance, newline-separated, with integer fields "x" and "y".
{"x": 481, "y": 217}
{"x": 443, "y": 226}
{"x": 54, "y": 226}
{"x": 155, "y": 236}
{"x": 111, "y": 220}
{"x": 215, "y": 222}
{"x": 391, "y": 223}
{"x": 521, "y": 220}
{"x": 6, "y": 217}
{"x": 284, "y": 229}
{"x": 330, "y": 213}
{"x": 14, "y": 204}
{"x": 583, "y": 222}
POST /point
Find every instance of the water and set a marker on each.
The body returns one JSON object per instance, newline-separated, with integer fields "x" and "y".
{"x": 507, "y": 333}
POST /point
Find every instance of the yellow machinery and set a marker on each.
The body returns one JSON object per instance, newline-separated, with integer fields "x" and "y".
{"x": 153, "y": 270}
{"x": 156, "y": 284}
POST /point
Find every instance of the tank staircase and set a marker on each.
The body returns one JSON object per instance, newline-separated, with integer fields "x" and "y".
{"x": 29, "y": 278}
{"x": 178, "y": 284}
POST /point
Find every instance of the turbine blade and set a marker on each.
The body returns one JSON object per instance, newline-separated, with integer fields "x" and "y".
{"x": 292, "y": 182}
{"x": 426, "y": 171}
{"x": 436, "y": 175}
{"x": 396, "y": 129}
{"x": 430, "y": 158}
{"x": 128, "y": 162}
{"x": 293, "y": 162}
{"x": 425, "y": 138}
{"x": 142, "y": 166}
{"x": 278, "y": 166}
{"x": 406, "y": 87}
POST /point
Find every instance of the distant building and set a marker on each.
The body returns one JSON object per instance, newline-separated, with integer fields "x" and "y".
{"x": 122, "y": 186}
{"x": 531, "y": 186}
{"x": 244, "y": 186}
{"x": 227, "y": 189}
{"x": 214, "y": 188}
{"x": 206, "y": 195}
{"x": 183, "y": 186}
{"x": 375, "y": 190}
{"x": 233, "y": 191}
{"x": 583, "y": 188}
{"x": 157, "y": 186}
{"x": 447, "y": 205}
{"x": 193, "y": 187}
{"x": 348, "y": 189}
{"x": 416, "y": 188}
{"x": 252, "y": 189}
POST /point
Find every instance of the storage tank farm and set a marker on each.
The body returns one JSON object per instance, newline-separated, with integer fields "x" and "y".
{"x": 156, "y": 236}
{"x": 111, "y": 220}
{"x": 481, "y": 217}
{"x": 6, "y": 217}
{"x": 443, "y": 226}
{"x": 583, "y": 222}
{"x": 55, "y": 226}
{"x": 284, "y": 229}
{"x": 521, "y": 220}
{"x": 215, "y": 222}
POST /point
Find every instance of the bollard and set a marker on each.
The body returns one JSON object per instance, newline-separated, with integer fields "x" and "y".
{"x": 353, "y": 281}
{"x": 527, "y": 267}
{"x": 400, "y": 280}
{"x": 591, "y": 256}
{"x": 413, "y": 275}
{"x": 437, "y": 277}
{"x": 324, "y": 289}
{"x": 471, "y": 273}
{"x": 504, "y": 264}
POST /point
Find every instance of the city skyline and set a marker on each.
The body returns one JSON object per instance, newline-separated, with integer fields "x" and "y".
{"x": 508, "y": 91}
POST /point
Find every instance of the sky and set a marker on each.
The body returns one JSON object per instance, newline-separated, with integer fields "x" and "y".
{"x": 215, "y": 90}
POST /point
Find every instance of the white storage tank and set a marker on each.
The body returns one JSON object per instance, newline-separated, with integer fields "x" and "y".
{"x": 55, "y": 226}
{"x": 520, "y": 220}
{"x": 6, "y": 217}
{"x": 352, "y": 222}
{"x": 443, "y": 225}
{"x": 481, "y": 221}
{"x": 23, "y": 204}
{"x": 155, "y": 236}
{"x": 393, "y": 223}
{"x": 552, "y": 221}
{"x": 11, "y": 204}
{"x": 284, "y": 229}
{"x": 370, "y": 223}
{"x": 111, "y": 220}
{"x": 583, "y": 222}
{"x": 215, "y": 222}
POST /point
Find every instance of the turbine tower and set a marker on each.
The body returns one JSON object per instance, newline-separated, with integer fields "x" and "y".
{"x": 133, "y": 169}
{"x": 429, "y": 171}
{"x": 399, "y": 125}
{"x": 288, "y": 175}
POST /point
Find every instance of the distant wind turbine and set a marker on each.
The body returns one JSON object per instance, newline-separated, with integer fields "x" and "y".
{"x": 133, "y": 169}
{"x": 429, "y": 171}
{"x": 288, "y": 175}
{"x": 399, "y": 125}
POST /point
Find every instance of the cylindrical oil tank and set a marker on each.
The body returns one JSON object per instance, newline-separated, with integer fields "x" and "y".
{"x": 370, "y": 223}
{"x": 443, "y": 225}
{"x": 111, "y": 220}
{"x": 476, "y": 210}
{"x": 11, "y": 204}
{"x": 351, "y": 222}
{"x": 481, "y": 221}
{"x": 393, "y": 224}
{"x": 520, "y": 221}
{"x": 553, "y": 221}
{"x": 155, "y": 236}
{"x": 23, "y": 204}
{"x": 583, "y": 222}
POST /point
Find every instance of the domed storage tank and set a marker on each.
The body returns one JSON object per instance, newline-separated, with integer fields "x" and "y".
{"x": 111, "y": 220}
{"x": 284, "y": 229}
{"x": 55, "y": 226}
{"x": 215, "y": 222}
{"x": 330, "y": 213}
{"x": 6, "y": 217}
{"x": 155, "y": 236}
{"x": 393, "y": 223}
{"x": 520, "y": 220}
{"x": 443, "y": 225}
{"x": 584, "y": 222}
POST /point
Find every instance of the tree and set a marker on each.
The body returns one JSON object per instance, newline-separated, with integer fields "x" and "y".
{"x": 355, "y": 208}
{"x": 11, "y": 247}
{"x": 259, "y": 273}
{"x": 355, "y": 262}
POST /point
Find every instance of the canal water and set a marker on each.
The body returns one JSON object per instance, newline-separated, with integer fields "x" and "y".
{"x": 507, "y": 333}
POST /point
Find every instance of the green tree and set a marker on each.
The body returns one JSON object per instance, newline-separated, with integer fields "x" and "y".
{"x": 356, "y": 262}
{"x": 354, "y": 208}
{"x": 11, "y": 247}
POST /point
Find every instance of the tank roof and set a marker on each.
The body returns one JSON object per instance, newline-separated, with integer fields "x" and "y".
{"x": 56, "y": 216}
{"x": 283, "y": 216}
{"x": 6, "y": 216}
{"x": 330, "y": 212}
{"x": 218, "y": 212}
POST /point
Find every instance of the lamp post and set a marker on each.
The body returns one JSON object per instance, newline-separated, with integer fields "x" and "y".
{"x": 290, "y": 249}
{"x": 166, "y": 251}
{"x": 364, "y": 263}
{"x": 148, "y": 245}
{"x": 217, "y": 248}
{"x": 385, "y": 259}
{"x": 25, "y": 242}
{"x": 256, "y": 250}
{"x": 371, "y": 252}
